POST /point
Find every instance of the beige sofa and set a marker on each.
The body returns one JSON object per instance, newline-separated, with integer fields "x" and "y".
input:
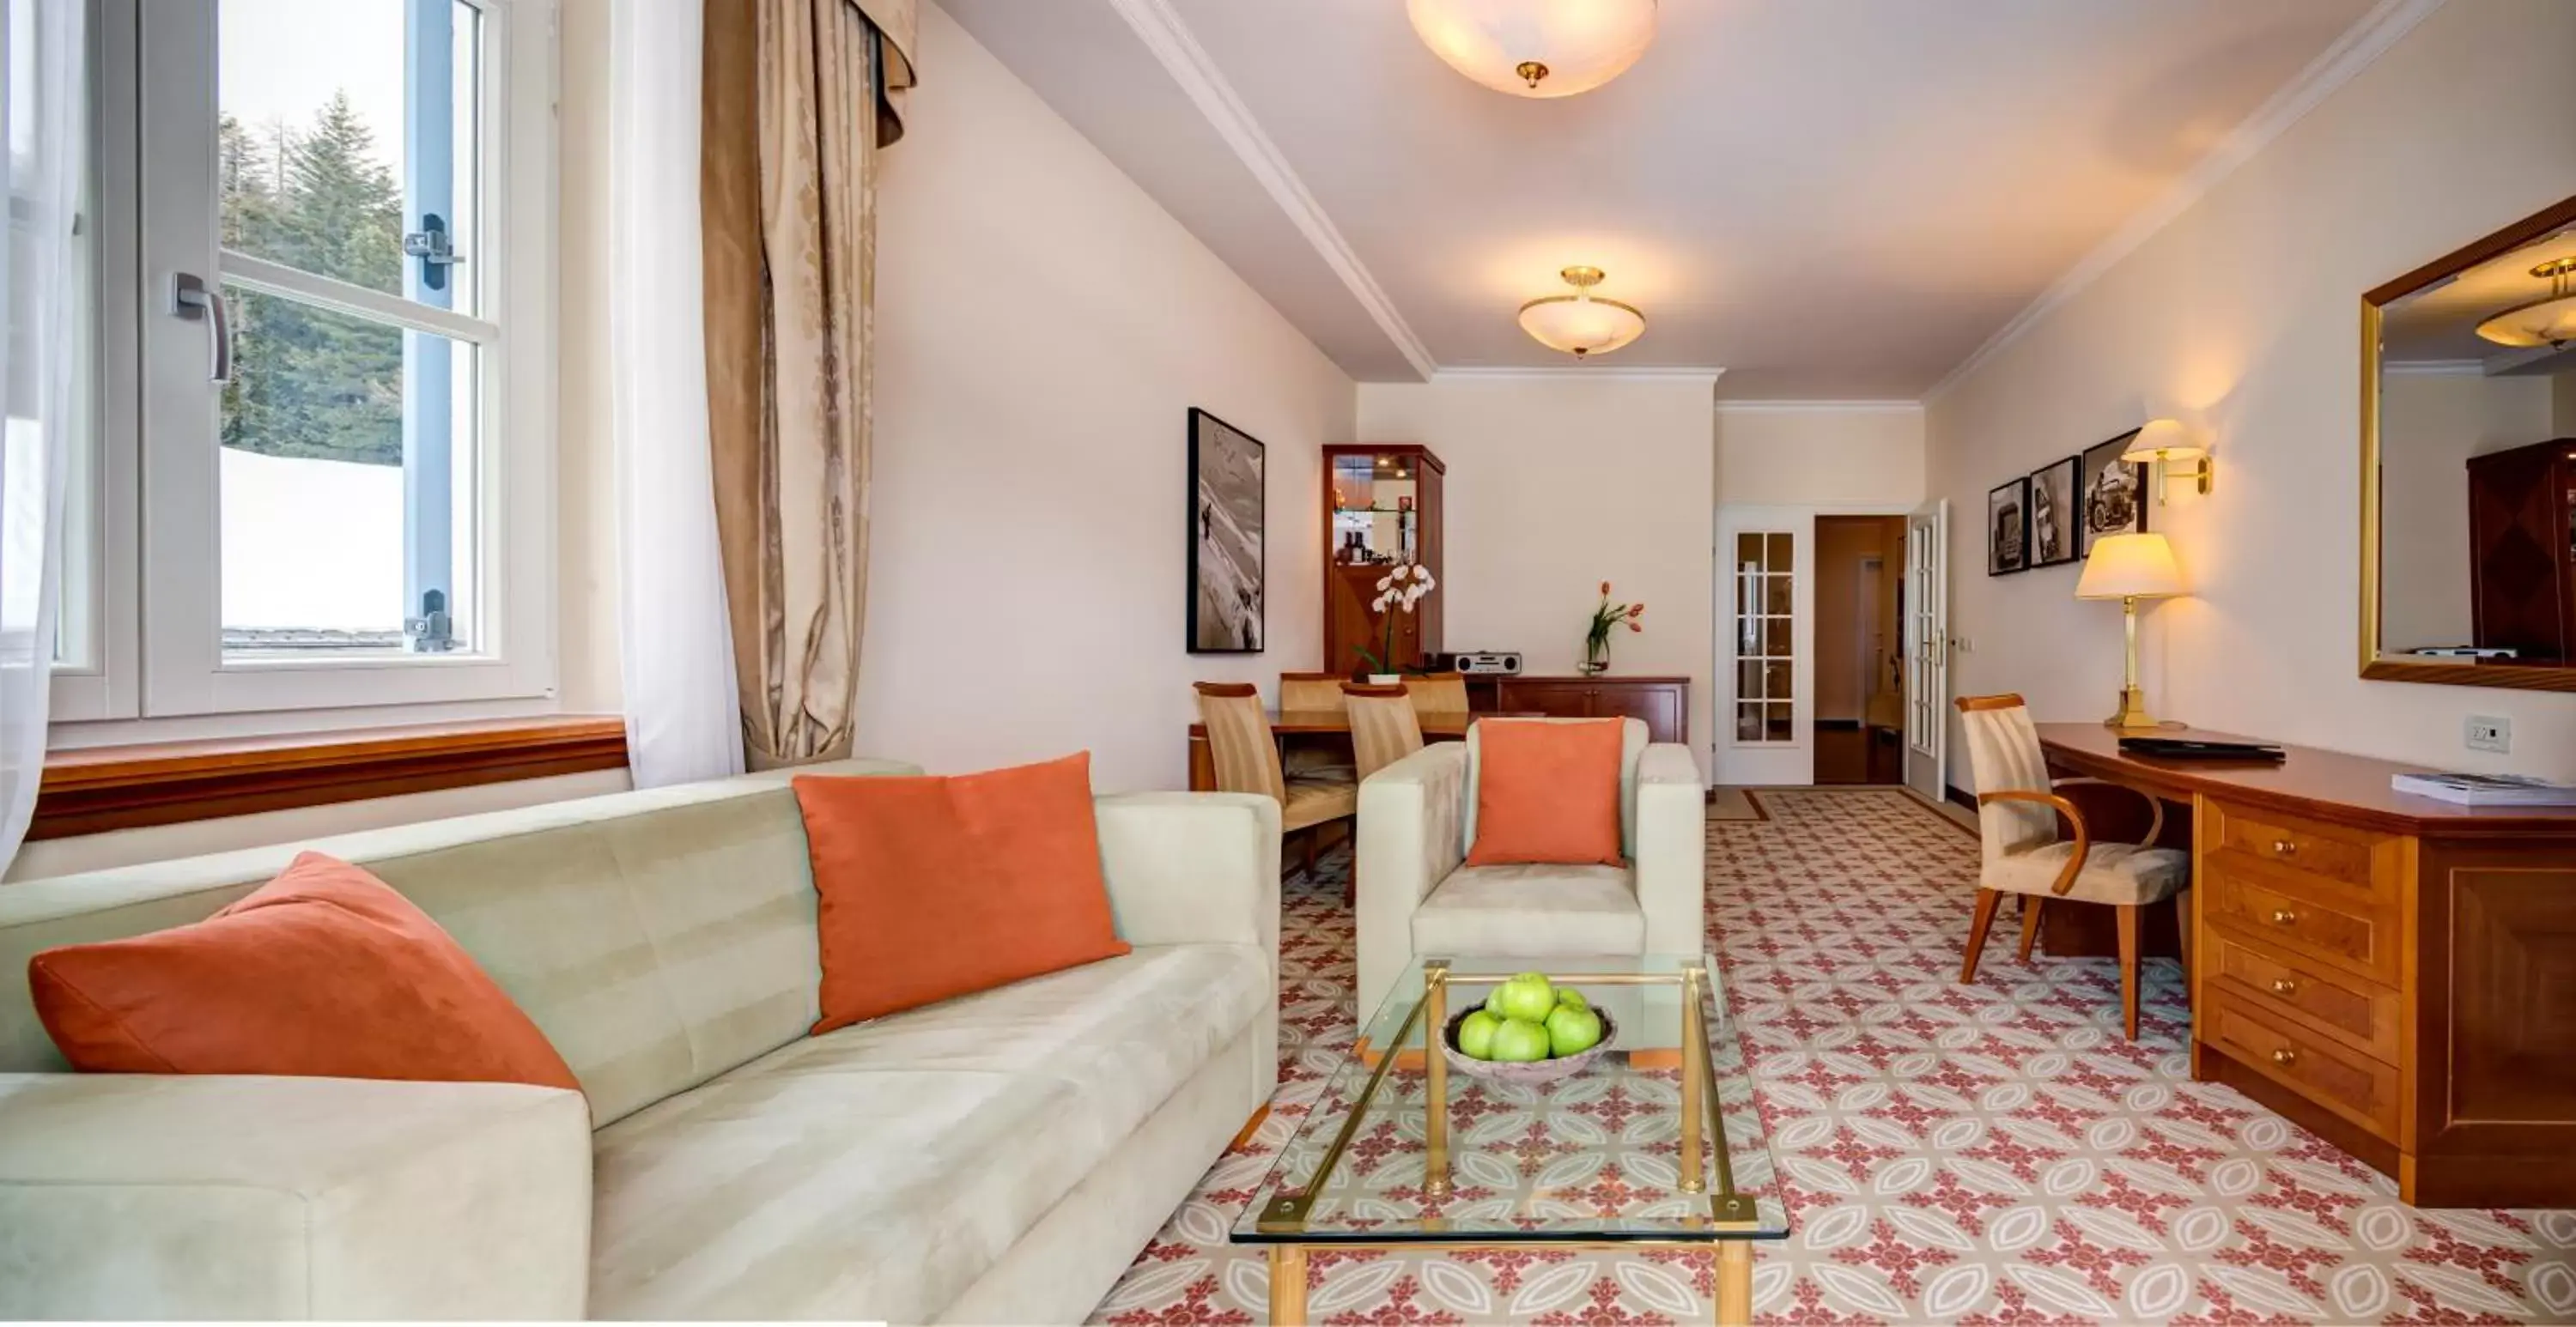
{"x": 1418, "y": 816}
{"x": 997, "y": 1158}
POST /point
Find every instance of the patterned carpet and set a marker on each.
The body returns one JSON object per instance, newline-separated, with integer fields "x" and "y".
{"x": 1995, "y": 1154}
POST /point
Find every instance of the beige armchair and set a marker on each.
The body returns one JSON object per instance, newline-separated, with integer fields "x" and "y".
{"x": 1418, "y": 815}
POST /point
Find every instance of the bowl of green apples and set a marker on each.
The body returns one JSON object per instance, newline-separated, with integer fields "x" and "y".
{"x": 1528, "y": 1031}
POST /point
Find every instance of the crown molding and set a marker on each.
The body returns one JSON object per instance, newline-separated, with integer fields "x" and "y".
{"x": 1577, "y": 372}
{"x": 1190, "y": 66}
{"x": 1820, "y": 407}
{"x": 2361, "y": 44}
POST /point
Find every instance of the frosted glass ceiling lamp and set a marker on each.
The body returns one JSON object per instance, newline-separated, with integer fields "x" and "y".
{"x": 2163, "y": 445}
{"x": 2543, "y": 322}
{"x": 1536, "y": 48}
{"x": 1582, "y": 324}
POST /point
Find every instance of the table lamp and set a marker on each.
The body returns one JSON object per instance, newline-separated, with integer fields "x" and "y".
{"x": 2130, "y": 567}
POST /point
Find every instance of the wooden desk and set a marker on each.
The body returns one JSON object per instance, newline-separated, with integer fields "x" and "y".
{"x": 2397, "y": 974}
{"x": 1312, "y": 723}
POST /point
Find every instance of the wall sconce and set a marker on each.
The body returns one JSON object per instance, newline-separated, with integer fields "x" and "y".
{"x": 2165, "y": 447}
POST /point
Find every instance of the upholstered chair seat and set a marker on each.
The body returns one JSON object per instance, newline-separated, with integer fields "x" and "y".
{"x": 2116, "y": 873}
{"x": 1312, "y": 801}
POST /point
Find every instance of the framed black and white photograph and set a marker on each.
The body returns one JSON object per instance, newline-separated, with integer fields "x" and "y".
{"x": 2113, "y": 493}
{"x": 1227, "y": 550}
{"x": 2008, "y": 527}
{"x": 2053, "y": 514}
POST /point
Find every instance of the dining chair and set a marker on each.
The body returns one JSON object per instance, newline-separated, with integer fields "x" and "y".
{"x": 1328, "y": 757}
{"x": 1384, "y": 726}
{"x": 1438, "y": 693}
{"x": 2018, "y": 806}
{"x": 1246, "y": 757}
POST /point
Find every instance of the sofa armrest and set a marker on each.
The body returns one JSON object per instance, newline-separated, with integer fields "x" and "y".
{"x": 1672, "y": 850}
{"x": 163, "y": 1196}
{"x": 1192, "y": 867}
{"x": 1412, "y": 827}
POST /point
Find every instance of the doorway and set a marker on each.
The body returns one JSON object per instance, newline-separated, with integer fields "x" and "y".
{"x": 1859, "y": 654}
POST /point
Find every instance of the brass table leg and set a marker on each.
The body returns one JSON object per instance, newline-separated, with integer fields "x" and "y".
{"x": 1435, "y": 1071}
{"x": 1694, "y": 1162}
{"x": 1288, "y": 1285}
{"x": 1734, "y": 1285}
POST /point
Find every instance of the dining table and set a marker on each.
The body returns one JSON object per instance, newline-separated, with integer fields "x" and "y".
{"x": 1320, "y": 727}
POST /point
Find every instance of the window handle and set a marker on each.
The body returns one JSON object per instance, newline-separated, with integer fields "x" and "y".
{"x": 191, "y": 298}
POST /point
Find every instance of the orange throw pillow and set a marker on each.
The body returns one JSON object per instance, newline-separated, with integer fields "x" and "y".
{"x": 1547, "y": 792}
{"x": 939, "y": 887}
{"x": 323, "y": 972}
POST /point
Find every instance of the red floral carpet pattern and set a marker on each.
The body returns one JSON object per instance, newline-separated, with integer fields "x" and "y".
{"x": 1985, "y": 1155}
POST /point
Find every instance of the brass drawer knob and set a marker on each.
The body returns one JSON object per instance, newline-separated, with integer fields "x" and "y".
{"x": 2284, "y": 917}
{"x": 2284, "y": 986}
{"x": 2285, "y": 1056}
{"x": 2284, "y": 848}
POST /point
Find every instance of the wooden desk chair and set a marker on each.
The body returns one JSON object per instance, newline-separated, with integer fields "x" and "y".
{"x": 1438, "y": 693}
{"x": 2017, "y": 810}
{"x": 1246, "y": 757}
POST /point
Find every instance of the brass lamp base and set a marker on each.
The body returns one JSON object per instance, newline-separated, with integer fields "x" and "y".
{"x": 2133, "y": 716}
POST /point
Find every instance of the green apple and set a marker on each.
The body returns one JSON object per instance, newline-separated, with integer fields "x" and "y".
{"x": 1527, "y": 997}
{"x": 1476, "y": 1035}
{"x": 1519, "y": 1041}
{"x": 1570, "y": 998}
{"x": 1571, "y": 1030}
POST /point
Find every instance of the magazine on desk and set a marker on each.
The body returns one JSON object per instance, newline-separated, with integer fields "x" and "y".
{"x": 2486, "y": 789}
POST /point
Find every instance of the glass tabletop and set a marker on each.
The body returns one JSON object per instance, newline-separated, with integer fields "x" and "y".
{"x": 1654, "y": 1140}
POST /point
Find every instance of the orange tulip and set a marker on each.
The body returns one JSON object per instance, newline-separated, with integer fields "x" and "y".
{"x": 1636, "y": 610}
{"x": 1632, "y": 625}
{"x": 1605, "y": 589}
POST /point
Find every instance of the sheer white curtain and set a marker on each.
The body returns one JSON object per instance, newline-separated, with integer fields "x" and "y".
{"x": 682, "y": 722}
{"x": 44, "y": 96}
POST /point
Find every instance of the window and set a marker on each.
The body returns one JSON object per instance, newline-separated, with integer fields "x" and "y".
{"x": 1765, "y": 641}
{"x": 323, "y": 472}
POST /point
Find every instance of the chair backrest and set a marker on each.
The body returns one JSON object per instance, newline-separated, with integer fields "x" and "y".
{"x": 1632, "y": 749}
{"x": 1438, "y": 693}
{"x": 1384, "y": 727}
{"x": 2004, "y": 755}
{"x": 1239, "y": 742}
{"x": 1310, "y": 692}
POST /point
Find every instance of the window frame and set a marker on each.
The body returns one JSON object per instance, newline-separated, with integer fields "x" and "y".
{"x": 155, "y": 652}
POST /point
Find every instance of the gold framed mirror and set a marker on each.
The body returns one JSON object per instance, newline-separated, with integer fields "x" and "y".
{"x": 2468, "y": 464}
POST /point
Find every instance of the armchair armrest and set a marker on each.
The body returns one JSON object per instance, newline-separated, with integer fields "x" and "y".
{"x": 1192, "y": 867}
{"x": 2083, "y": 835}
{"x": 1672, "y": 850}
{"x": 165, "y": 1196}
{"x": 1412, "y": 834}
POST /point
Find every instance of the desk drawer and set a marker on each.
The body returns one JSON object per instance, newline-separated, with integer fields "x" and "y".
{"x": 2360, "y": 1089}
{"x": 2362, "y": 1015}
{"x": 2277, "y": 913}
{"x": 2331, "y": 854}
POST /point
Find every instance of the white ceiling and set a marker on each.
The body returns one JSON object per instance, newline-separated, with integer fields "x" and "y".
{"x": 1830, "y": 199}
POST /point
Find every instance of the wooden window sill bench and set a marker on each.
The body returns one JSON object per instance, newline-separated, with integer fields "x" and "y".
{"x": 95, "y": 789}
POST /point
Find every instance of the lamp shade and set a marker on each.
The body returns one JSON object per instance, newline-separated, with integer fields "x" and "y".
{"x": 2130, "y": 565}
{"x": 1536, "y": 48}
{"x": 2163, "y": 440}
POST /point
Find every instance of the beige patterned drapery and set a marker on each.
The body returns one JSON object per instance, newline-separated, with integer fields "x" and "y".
{"x": 798, "y": 95}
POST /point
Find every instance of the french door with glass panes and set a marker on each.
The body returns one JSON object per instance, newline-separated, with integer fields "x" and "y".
{"x": 341, "y": 321}
{"x": 1766, "y": 561}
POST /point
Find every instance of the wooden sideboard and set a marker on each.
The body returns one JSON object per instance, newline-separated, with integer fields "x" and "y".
{"x": 2398, "y": 974}
{"x": 1663, "y": 702}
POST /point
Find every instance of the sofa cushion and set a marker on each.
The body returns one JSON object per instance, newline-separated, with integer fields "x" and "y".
{"x": 877, "y": 1171}
{"x": 1531, "y": 911}
{"x": 1548, "y": 792}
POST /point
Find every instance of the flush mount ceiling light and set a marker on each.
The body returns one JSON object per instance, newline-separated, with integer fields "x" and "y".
{"x": 1536, "y": 48}
{"x": 1581, "y": 324}
{"x": 2550, "y": 321}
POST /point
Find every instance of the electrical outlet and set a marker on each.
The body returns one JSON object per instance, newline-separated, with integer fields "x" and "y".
{"x": 2490, "y": 734}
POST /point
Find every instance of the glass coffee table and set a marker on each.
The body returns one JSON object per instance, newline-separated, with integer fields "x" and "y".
{"x": 1655, "y": 1142}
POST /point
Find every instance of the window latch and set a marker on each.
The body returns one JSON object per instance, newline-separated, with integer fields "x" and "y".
{"x": 430, "y": 244}
{"x": 430, "y": 632}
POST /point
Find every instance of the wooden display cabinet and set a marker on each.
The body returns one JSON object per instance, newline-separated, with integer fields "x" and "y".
{"x": 1382, "y": 505}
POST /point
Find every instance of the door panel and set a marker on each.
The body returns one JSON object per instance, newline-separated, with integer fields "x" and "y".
{"x": 1927, "y": 649}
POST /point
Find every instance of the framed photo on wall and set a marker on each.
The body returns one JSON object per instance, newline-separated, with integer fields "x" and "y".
{"x": 2053, "y": 514}
{"x": 1228, "y": 546}
{"x": 2111, "y": 492}
{"x": 2008, "y": 527}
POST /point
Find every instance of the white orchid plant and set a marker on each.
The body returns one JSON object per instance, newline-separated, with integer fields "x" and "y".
{"x": 1400, "y": 588}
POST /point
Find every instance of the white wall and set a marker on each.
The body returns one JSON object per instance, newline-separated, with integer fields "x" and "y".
{"x": 2241, "y": 318}
{"x": 1820, "y": 454}
{"x": 2430, "y": 424}
{"x": 1043, "y": 328}
{"x": 1556, "y": 484}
